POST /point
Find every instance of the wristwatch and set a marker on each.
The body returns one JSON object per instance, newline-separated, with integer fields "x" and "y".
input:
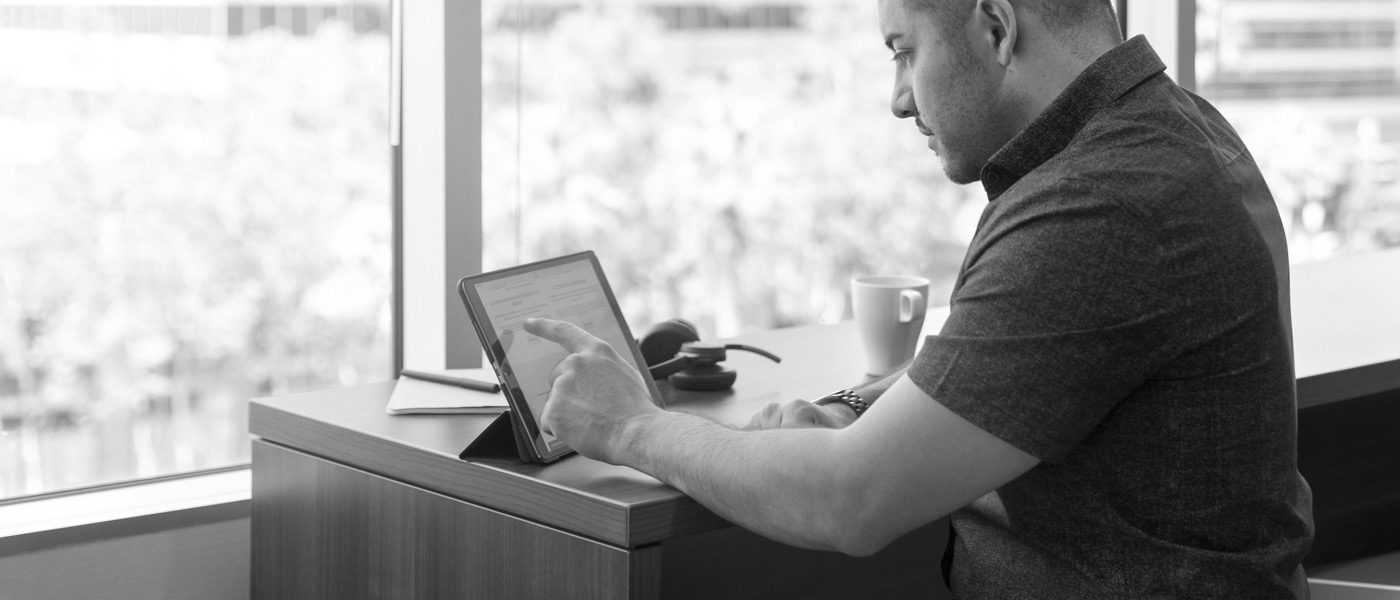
{"x": 846, "y": 397}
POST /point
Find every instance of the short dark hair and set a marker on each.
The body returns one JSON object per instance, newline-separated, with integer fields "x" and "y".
{"x": 1073, "y": 18}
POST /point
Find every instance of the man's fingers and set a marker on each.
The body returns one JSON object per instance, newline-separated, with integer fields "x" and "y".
{"x": 777, "y": 416}
{"x": 761, "y": 419}
{"x": 570, "y": 336}
{"x": 793, "y": 415}
{"x": 756, "y": 422}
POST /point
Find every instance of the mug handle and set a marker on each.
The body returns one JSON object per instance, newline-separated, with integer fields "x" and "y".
{"x": 912, "y": 305}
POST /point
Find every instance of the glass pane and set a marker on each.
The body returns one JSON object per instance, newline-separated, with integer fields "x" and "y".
{"x": 732, "y": 163}
{"x": 1314, "y": 88}
{"x": 194, "y": 199}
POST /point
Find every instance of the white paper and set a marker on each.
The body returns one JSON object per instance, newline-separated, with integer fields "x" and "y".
{"x": 415, "y": 396}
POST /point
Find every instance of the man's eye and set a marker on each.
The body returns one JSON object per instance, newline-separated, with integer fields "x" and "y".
{"x": 902, "y": 56}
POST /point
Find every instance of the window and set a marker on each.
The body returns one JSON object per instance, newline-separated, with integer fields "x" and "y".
{"x": 730, "y": 162}
{"x": 216, "y": 173}
{"x": 195, "y": 199}
{"x": 1313, "y": 86}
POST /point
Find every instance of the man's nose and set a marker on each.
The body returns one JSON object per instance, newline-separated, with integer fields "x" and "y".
{"x": 902, "y": 102}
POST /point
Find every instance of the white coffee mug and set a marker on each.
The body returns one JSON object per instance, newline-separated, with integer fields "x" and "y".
{"x": 889, "y": 312}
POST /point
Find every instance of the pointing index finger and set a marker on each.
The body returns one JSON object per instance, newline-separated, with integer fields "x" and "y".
{"x": 570, "y": 336}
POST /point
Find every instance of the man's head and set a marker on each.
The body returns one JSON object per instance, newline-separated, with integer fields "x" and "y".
{"x": 1077, "y": 23}
{"x": 973, "y": 73}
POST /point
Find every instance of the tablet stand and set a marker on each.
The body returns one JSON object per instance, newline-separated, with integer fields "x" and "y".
{"x": 497, "y": 441}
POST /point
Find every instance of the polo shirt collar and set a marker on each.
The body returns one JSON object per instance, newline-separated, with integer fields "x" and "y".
{"x": 1108, "y": 78}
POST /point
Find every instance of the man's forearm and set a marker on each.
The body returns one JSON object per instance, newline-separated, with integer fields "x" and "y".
{"x": 785, "y": 484}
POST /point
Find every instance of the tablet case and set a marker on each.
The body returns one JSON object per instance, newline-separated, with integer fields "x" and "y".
{"x": 491, "y": 442}
{"x": 498, "y": 441}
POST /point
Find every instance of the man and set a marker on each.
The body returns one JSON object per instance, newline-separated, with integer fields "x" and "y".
{"x": 1108, "y": 411}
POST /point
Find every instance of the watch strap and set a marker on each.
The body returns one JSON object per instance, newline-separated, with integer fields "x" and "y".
{"x": 847, "y": 397}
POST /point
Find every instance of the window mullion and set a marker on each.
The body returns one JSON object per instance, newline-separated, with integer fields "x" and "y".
{"x": 1171, "y": 28}
{"x": 441, "y": 179}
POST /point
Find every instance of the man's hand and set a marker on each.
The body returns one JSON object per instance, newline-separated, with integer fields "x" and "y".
{"x": 796, "y": 414}
{"x": 594, "y": 394}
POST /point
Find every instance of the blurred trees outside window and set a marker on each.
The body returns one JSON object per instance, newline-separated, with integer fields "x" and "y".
{"x": 732, "y": 163}
{"x": 195, "y": 204}
{"x": 735, "y": 163}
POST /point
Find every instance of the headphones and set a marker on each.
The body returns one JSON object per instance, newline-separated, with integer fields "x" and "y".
{"x": 673, "y": 350}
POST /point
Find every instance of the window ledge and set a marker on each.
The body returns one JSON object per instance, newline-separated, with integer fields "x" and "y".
{"x": 32, "y": 525}
{"x": 1346, "y": 330}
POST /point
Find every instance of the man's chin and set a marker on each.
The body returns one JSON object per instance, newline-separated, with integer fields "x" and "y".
{"x": 960, "y": 173}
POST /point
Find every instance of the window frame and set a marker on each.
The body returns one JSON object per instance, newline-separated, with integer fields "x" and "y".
{"x": 124, "y": 509}
{"x": 1171, "y": 27}
{"x": 438, "y": 191}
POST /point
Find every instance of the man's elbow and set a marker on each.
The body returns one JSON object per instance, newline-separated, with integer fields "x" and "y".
{"x": 860, "y": 536}
{"x": 860, "y": 544}
{"x": 857, "y": 526}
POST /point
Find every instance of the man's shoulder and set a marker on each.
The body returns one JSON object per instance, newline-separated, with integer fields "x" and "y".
{"x": 1157, "y": 168}
{"x": 1159, "y": 121}
{"x": 1155, "y": 144}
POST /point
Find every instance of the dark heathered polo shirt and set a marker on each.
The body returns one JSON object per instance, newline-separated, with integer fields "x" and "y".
{"x": 1119, "y": 316}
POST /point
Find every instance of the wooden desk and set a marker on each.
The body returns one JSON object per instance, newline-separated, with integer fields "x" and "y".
{"x": 349, "y": 502}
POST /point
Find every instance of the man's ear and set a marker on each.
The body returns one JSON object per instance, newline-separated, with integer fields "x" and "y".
{"x": 997, "y": 19}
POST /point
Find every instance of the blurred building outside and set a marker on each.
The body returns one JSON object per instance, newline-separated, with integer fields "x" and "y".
{"x": 1314, "y": 87}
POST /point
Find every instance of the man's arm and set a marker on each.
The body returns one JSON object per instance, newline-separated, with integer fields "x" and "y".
{"x": 906, "y": 462}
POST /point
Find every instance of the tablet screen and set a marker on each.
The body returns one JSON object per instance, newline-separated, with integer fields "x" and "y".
{"x": 569, "y": 289}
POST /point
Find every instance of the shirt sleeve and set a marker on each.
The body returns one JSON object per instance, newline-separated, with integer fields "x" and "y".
{"x": 1056, "y": 317}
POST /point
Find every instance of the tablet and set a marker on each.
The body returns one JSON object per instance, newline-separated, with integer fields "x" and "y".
{"x": 569, "y": 288}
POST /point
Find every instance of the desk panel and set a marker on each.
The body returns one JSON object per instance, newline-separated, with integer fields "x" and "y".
{"x": 322, "y": 530}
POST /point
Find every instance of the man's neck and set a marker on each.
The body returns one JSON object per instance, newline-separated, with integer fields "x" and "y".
{"x": 1047, "y": 71}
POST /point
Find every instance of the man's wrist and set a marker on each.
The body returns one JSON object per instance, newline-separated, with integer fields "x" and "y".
{"x": 632, "y": 439}
{"x": 841, "y": 409}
